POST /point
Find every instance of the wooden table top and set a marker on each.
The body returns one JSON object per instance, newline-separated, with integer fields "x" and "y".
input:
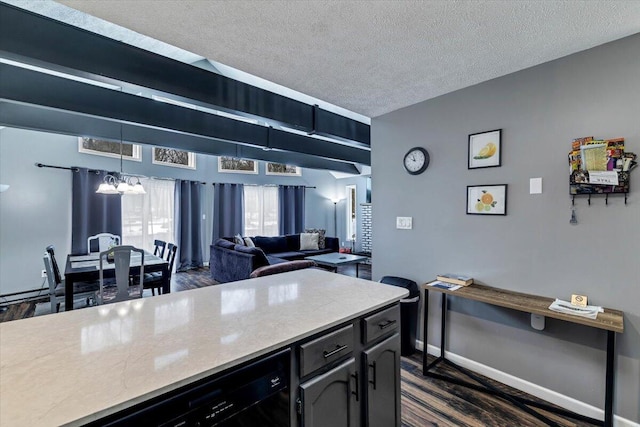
{"x": 610, "y": 319}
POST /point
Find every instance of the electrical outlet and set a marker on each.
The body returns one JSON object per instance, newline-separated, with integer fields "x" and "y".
{"x": 43, "y": 273}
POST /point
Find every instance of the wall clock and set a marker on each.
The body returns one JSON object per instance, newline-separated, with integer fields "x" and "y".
{"x": 416, "y": 160}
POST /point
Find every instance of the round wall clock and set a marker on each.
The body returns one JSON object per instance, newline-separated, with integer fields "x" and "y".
{"x": 416, "y": 160}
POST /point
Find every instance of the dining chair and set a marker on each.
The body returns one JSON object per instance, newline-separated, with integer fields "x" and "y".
{"x": 104, "y": 241}
{"x": 56, "y": 285}
{"x": 153, "y": 280}
{"x": 122, "y": 262}
{"x": 159, "y": 247}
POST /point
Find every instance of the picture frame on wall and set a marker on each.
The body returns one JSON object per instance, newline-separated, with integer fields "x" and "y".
{"x": 487, "y": 199}
{"x": 485, "y": 149}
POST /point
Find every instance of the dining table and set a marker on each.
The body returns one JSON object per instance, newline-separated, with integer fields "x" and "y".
{"x": 86, "y": 268}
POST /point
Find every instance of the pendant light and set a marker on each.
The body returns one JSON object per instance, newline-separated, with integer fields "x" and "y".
{"x": 120, "y": 184}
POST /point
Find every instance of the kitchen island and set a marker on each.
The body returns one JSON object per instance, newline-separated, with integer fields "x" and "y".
{"x": 76, "y": 367}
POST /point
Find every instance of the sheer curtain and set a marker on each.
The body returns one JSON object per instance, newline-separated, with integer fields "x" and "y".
{"x": 260, "y": 211}
{"x": 147, "y": 217}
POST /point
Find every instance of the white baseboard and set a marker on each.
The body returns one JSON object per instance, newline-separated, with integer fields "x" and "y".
{"x": 551, "y": 396}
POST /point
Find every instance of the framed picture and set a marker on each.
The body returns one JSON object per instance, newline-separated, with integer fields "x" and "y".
{"x": 487, "y": 199}
{"x": 237, "y": 165}
{"x": 485, "y": 149}
{"x": 282, "y": 169}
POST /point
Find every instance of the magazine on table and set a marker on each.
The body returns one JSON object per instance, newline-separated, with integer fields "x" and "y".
{"x": 444, "y": 285}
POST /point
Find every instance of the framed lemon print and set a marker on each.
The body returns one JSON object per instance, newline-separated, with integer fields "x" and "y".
{"x": 487, "y": 199}
{"x": 485, "y": 149}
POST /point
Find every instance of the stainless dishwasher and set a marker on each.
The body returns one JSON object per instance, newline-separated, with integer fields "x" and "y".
{"x": 256, "y": 394}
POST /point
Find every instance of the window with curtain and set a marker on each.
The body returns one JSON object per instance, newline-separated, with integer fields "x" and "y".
{"x": 147, "y": 217}
{"x": 260, "y": 211}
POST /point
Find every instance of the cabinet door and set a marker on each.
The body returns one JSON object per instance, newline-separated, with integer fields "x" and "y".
{"x": 382, "y": 365}
{"x": 332, "y": 399}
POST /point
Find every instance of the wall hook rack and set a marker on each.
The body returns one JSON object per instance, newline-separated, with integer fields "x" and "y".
{"x": 606, "y": 197}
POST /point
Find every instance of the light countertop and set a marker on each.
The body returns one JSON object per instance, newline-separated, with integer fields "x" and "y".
{"x": 72, "y": 368}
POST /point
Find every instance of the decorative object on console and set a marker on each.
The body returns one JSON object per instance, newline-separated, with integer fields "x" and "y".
{"x": 487, "y": 199}
{"x": 485, "y": 149}
{"x": 456, "y": 279}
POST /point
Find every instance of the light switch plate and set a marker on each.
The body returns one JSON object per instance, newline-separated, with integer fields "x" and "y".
{"x": 535, "y": 186}
{"x": 404, "y": 222}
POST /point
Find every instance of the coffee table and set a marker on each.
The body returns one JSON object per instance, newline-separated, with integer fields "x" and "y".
{"x": 336, "y": 259}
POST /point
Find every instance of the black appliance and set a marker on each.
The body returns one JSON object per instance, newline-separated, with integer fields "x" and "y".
{"x": 256, "y": 394}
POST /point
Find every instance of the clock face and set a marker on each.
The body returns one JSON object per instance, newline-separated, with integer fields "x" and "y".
{"x": 416, "y": 160}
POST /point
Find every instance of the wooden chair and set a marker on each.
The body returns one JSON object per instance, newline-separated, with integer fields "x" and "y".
{"x": 56, "y": 284}
{"x": 153, "y": 280}
{"x": 159, "y": 247}
{"x": 122, "y": 263}
{"x": 105, "y": 240}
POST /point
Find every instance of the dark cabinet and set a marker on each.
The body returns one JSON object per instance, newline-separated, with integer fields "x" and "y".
{"x": 332, "y": 399}
{"x": 382, "y": 366}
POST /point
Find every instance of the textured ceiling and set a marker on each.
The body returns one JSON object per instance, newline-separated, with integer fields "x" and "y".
{"x": 371, "y": 57}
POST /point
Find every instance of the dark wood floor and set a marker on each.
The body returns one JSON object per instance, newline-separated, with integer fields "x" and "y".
{"x": 426, "y": 402}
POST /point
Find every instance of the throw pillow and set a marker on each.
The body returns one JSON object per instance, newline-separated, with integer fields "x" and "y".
{"x": 321, "y": 235}
{"x": 249, "y": 242}
{"x": 238, "y": 240}
{"x": 309, "y": 241}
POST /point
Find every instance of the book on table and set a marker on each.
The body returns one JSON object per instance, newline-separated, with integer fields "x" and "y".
{"x": 457, "y": 279}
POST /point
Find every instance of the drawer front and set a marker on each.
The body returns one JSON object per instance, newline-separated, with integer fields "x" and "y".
{"x": 382, "y": 323}
{"x": 326, "y": 349}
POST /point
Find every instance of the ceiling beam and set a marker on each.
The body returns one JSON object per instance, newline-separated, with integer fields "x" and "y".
{"x": 35, "y": 39}
{"x": 19, "y": 85}
{"x": 44, "y": 119}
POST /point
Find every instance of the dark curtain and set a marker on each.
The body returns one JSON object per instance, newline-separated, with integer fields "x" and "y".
{"x": 291, "y": 209}
{"x": 188, "y": 224}
{"x": 92, "y": 213}
{"x": 228, "y": 210}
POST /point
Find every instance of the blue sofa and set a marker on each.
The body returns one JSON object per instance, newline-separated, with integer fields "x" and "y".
{"x": 229, "y": 262}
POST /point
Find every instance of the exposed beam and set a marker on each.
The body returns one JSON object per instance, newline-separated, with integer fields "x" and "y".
{"x": 40, "y": 118}
{"x": 19, "y": 85}
{"x": 36, "y": 39}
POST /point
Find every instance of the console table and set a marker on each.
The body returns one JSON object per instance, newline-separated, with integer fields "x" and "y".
{"x": 609, "y": 320}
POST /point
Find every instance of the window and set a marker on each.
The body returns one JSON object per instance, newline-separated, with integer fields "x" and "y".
{"x": 282, "y": 169}
{"x": 236, "y": 165}
{"x": 260, "y": 211}
{"x": 147, "y": 217}
{"x": 351, "y": 212}
{"x": 173, "y": 157}
{"x": 102, "y": 147}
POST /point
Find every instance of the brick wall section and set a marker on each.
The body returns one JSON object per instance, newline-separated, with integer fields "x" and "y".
{"x": 366, "y": 227}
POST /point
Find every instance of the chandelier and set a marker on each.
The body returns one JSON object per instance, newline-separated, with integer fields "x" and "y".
{"x": 121, "y": 183}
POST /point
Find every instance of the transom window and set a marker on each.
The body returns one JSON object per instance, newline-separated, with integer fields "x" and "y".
{"x": 173, "y": 157}
{"x": 102, "y": 147}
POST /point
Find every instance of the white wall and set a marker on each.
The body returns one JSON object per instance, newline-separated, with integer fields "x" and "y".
{"x": 533, "y": 249}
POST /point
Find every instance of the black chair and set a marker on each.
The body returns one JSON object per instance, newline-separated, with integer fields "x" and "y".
{"x": 159, "y": 247}
{"x": 56, "y": 283}
{"x": 153, "y": 280}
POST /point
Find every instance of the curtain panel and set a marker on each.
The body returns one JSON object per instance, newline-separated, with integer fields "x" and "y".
{"x": 291, "y": 209}
{"x": 228, "y": 210}
{"x": 188, "y": 224}
{"x": 92, "y": 213}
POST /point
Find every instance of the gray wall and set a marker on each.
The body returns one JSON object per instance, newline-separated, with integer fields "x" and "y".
{"x": 533, "y": 249}
{"x": 36, "y": 211}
